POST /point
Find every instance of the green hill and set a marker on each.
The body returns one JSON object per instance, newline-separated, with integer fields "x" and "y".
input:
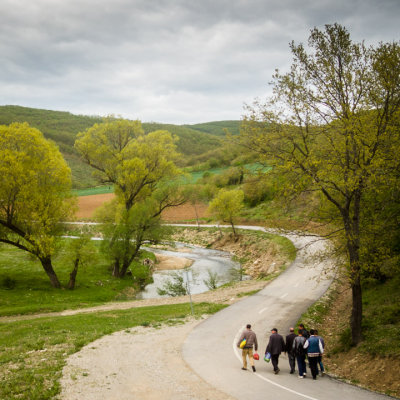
{"x": 62, "y": 128}
{"x": 218, "y": 127}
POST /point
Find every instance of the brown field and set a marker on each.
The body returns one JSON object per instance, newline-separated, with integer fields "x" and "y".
{"x": 88, "y": 204}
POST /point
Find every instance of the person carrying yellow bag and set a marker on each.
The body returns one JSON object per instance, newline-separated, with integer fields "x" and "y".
{"x": 247, "y": 340}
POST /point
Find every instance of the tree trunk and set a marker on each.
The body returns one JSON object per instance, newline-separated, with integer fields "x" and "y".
{"x": 48, "y": 267}
{"x": 352, "y": 228}
{"x": 72, "y": 275}
{"x": 356, "y": 312}
{"x": 197, "y": 216}
{"x": 116, "y": 269}
{"x": 234, "y": 231}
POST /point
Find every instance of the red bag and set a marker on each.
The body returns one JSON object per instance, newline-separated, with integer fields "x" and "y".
{"x": 256, "y": 356}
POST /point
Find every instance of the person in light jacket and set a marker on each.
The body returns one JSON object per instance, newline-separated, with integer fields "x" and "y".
{"x": 247, "y": 351}
{"x": 314, "y": 350}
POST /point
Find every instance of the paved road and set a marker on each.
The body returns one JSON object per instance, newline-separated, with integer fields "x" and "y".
{"x": 210, "y": 349}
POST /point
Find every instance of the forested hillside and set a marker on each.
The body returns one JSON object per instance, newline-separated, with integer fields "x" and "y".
{"x": 62, "y": 127}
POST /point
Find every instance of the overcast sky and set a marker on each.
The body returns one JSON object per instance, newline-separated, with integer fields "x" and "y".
{"x": 176, "y": 61}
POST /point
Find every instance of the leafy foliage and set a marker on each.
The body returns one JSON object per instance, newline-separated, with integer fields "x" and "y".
{"x": 226, "y": 206}
{"x": 35, "y": 185}
{"x": 332, "y": 128}
{"x": 195, "y": 145}
{"x": 142, "y": 169}
{"x": 173, "y": 287}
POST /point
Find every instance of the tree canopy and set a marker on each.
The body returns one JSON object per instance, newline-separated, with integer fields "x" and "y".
{"x": 35, "y": 192}
{"x": 332, "y": 127}
{"x": 226, "y": 206}
{"x": 142, "y": 169}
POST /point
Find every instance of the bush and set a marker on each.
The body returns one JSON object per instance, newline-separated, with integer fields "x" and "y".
{"x": 174, "y": 287}
{"x": 141, "y": 275}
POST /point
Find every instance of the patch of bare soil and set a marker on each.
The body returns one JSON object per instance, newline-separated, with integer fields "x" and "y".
{"x": 375, "y": 373}
{"x": 165, "y": 262}
{"x": 87, "y": 205}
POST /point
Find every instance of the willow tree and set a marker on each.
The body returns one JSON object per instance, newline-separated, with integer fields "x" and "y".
{"x": 35, "y": 193}
{"x": 330, "y": 127}
{"x": 138, "y": 166}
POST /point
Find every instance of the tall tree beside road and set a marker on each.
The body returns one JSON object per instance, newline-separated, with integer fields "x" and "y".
{"x": 140, "y": 167}
{"x": 226, "y": 206}
{"x": 35, "y": 193}
{"x": 331, "y": 127}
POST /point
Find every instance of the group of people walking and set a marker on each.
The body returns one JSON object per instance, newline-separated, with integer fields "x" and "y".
{"x": 299, "y": 347}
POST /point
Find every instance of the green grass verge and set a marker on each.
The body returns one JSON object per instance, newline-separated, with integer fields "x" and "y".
{"x": 25, "y": 287}
{"x": 34, "y": 352}
{"x": 381, "y": 319}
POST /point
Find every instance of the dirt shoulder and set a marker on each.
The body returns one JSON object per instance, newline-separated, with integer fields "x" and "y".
{"x": 138, "y": 363}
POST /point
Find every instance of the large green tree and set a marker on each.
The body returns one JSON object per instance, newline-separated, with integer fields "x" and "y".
{"x": 140, "y": 167}
{"x": 330, "y": 127}
{"x": 35, "y": 193}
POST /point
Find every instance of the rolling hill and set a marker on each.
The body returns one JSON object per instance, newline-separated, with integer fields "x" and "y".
{"x": 62, "y": 127}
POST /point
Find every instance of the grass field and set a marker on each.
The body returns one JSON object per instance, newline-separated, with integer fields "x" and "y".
{"x": 25, "y": 287}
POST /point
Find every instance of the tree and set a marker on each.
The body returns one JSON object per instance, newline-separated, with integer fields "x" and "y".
{"x": 226, "y": 206}
{"x": 35, "y": 193}
{"x": 142, "y": 169}
{"x": 329, "y": 127}
{"x": 80, "y": 252}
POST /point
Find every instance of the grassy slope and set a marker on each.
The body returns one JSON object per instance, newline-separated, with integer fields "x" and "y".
{"x": 218, "y": 128}
{"x": 380, "y": 349}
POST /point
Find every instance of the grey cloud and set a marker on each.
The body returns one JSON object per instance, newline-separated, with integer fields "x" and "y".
{"x": 166, "y": 60}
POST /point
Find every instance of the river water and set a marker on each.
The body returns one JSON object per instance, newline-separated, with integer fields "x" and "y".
{"x": 205, "y": 260}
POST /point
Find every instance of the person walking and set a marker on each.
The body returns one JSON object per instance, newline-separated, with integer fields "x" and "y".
{"x": 275, "y": 347}
{"x": 321, "y": 365}
{"x": 306, "y": 334}
{"x": 247, "y": 350}
{"x": 314, "y": 350}
{"x": 300, "y": 354}
{"x": 289, "y": 349}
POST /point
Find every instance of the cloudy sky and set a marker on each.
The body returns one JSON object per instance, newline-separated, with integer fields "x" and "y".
{"x": 175, "y": 61}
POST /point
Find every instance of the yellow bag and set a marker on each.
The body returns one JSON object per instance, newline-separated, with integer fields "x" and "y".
{"x": 242, "y": 343}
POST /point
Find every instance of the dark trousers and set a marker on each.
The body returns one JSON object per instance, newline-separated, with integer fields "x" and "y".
{"x": 301, "y": 363}
{"x": 275, "y": 359}
{"x": 313, "y": 366}
{"x": 292, "y": 362}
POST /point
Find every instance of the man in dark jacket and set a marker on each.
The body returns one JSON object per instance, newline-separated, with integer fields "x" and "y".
{"x": 306, "y": 334}
{"x": 289, "y": 350}
{"x": 275, "y": 347}
{"x": 247, "y": 350}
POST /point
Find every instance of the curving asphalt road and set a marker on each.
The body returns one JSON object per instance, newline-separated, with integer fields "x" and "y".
{"x": 210, "y": 349}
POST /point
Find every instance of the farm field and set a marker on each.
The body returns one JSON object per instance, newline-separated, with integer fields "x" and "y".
{"x": 88, "y": 204}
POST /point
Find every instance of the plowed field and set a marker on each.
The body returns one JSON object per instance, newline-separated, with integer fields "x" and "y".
{"x": 88, "y": 204}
